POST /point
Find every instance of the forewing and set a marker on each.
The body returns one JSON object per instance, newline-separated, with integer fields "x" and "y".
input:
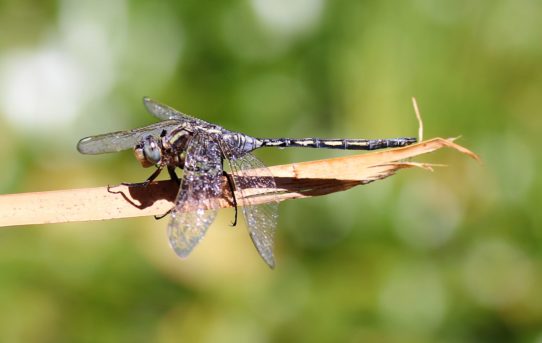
{"x": 261, "y": 219}
{"x": 122, "y": 140}
{"x": 198, "y": 199}
{"x": 164, "y": 112}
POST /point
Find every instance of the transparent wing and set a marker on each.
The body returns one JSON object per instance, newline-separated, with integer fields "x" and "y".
{"x": 164, "y": 112}
{"x": 261, "y": 219}
{"x": 198, "y": 199}
{"x": 122, "y": 140}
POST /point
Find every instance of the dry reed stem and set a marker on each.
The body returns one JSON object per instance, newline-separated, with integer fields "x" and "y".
{"x": 294, "y": 181}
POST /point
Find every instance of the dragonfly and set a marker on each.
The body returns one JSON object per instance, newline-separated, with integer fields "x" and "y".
{"x": 200, "y": 148}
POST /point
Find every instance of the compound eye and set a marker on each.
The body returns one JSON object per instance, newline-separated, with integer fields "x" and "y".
{"x": 151, "y": 150}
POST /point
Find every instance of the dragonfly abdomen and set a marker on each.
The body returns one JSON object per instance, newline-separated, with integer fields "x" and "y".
{"x": 345, "y": 144}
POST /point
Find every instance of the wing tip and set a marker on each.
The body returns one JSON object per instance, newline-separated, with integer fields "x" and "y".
{"x": 156, "y": 109}
{"x": 148, "y": 102}
{"x": 179, "y": 242}
{"x": 270, "y": 262}
{"x": 266, "y": 253}
{"x": 181, "y": 251}
{"x": 81, "y": 145}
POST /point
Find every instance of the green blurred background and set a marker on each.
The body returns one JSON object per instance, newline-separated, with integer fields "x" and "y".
{"x": 449, "y": 256}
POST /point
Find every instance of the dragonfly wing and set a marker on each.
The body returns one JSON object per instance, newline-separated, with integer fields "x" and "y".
{"x": 122, "y": 140}
{"x": 261, "y": 219}
{"x": 164, "y": 112}
{"x": 197, "y": 203}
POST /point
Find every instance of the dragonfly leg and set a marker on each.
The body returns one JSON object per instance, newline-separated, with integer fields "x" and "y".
{"x": 174, "y": 178}
{"x": 234, "y": 199}
{"x": 163, "y": 215}
{"x": 146, "y": 182}
{"x": 231, "y": 185}
{"x": 173, "y": 175}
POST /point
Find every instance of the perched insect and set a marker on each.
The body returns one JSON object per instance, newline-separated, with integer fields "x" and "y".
{"x": 200, "y": 148}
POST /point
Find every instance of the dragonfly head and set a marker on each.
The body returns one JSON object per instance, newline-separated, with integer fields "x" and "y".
{"x": 148, "y": 151}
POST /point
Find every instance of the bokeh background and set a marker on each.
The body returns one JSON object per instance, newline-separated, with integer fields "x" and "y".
{"x": 449, "y": 256}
